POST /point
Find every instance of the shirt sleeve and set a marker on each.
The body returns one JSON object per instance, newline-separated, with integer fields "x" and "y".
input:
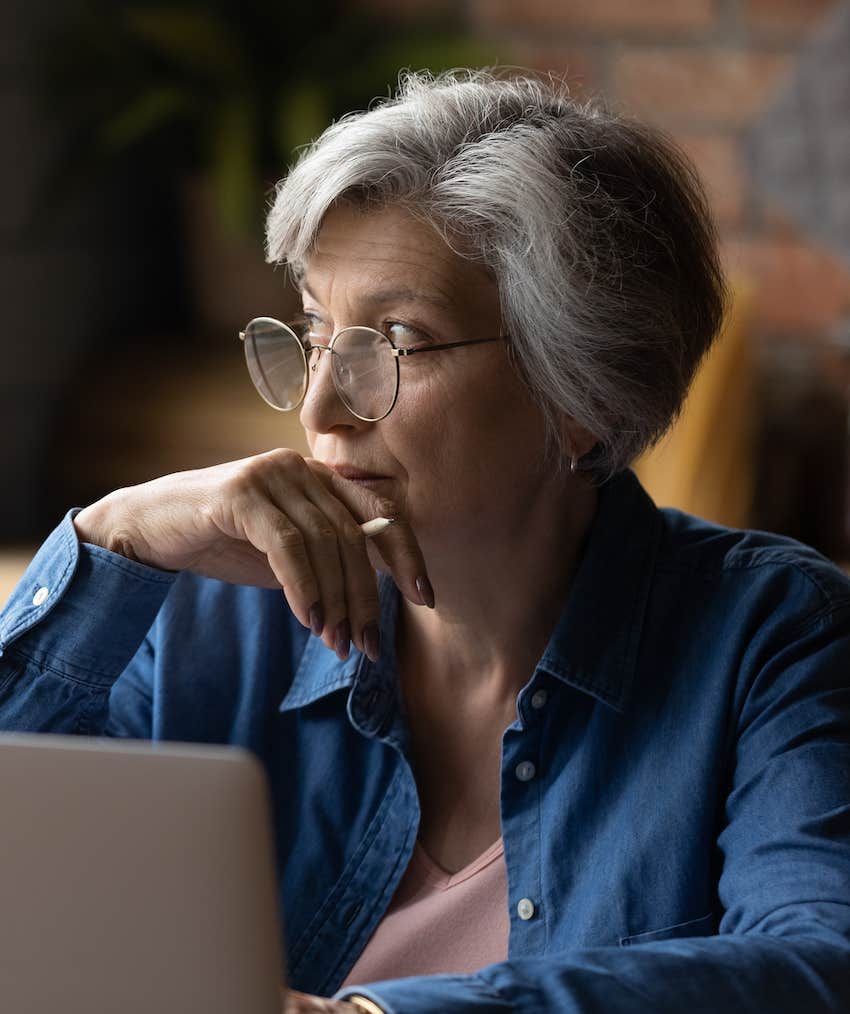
{"x": 784, "y": 939}
{"x": 75, "y": 620}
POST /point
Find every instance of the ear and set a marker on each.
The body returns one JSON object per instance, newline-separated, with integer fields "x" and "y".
{"x": 579, "y": 441}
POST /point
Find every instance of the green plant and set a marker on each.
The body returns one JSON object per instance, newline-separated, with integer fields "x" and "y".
{"x": 229, "y": 88}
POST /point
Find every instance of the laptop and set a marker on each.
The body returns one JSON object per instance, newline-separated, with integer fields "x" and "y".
{"x": 136, "y": 878}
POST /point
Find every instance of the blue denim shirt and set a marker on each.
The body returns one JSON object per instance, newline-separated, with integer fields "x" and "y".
{"x": 684, "y": 841}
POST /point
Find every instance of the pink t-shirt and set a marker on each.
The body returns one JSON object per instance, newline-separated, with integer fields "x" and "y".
{"x": 439, "y": 921}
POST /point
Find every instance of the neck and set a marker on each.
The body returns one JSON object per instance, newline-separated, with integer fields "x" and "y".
{"x": 500, "y": 591}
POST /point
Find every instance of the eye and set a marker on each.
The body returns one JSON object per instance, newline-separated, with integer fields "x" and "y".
{"x": 310, "y": 327}
{"x": 404, "y": 334}
{"x": 300, "y": 325}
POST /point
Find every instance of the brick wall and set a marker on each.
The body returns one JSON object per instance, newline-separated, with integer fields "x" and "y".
{"x": 703, "y": 70}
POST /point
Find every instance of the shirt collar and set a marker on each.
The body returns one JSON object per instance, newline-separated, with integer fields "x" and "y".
{"x": 320, "y": 671}
{"x": 593, "y": 647}
{"x": 595, "y": 644}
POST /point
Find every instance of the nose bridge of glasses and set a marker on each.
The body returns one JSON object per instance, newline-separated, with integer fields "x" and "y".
{"x": 313, "y": 360}
{"x": 320, "y": 394}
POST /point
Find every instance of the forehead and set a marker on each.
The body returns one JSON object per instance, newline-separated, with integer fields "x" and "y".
{"x": 392, "y": 249}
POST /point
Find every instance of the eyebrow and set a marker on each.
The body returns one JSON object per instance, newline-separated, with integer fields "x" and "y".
{"x": 383, "y": 296}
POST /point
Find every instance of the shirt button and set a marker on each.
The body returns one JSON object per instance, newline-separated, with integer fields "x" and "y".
{"x": 40, "y": 597}
{"x": 525, "y": 909}
{"x": 539, "y": 699}
{"x": 525, "y": 771}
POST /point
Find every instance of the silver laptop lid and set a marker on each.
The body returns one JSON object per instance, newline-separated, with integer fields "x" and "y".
{"x": 135, "y": 877}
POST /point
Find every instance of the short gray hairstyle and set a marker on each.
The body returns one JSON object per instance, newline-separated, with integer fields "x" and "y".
{"x": 594, "y": 226}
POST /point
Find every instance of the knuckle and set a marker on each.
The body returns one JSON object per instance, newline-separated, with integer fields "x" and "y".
{"x": 288, "y": 536}
{"x": 245, "y": 478}
{"x": 283, "y": 457}
{"x": 256, "y": 471}
{"x": 239, "y": 484}
{"x": 324, "y": 534}
{"x": 351, "y": 536}
{"x": 302, "y": 585}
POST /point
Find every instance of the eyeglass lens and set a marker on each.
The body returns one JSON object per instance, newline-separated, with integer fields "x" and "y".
{"x": 276, "y": 363}
{"x": 364, "y": 370}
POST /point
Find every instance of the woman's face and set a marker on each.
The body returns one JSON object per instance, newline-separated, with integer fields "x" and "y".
{"x": 460, "y": 452}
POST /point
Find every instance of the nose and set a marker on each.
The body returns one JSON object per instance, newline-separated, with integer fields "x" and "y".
{"x": 322, "y": 409}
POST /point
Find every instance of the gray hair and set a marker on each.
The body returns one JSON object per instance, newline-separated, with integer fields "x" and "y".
{"x": 595, "y": 228}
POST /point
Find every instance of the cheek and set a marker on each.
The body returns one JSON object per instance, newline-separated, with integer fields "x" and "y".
{"x": 410, "y": 441}
{"x": 458, "y": 450}
{"x": 465, "y": 445}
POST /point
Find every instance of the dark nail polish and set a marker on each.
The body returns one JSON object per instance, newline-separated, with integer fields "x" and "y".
{"x": 342, "y": 639}
{"x": 372, "y": 641}
{"x": 317, "y": 618}
{"x": 426, "y": 592}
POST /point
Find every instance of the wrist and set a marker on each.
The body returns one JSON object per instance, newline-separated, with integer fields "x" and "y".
{"x": 99, "y": 525}
{"x": 364, "y": 1004}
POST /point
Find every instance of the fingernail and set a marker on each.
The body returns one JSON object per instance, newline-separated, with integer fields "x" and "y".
{"x": 342, "y": 639}
{"x": 426, "y": 592}
{"x": 317, "y": 618}
{"x": 372, "y": 641}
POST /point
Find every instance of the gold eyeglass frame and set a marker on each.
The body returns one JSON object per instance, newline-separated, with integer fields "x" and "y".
{"x": 397, "y": 354}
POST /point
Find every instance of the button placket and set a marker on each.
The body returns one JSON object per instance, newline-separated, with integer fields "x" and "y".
{"x": 521, "y": 818}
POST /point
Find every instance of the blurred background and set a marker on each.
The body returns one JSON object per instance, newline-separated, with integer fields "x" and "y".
{"x": 142, "y": 141}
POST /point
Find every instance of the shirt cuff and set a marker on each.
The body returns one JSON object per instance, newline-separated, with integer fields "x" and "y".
{"x": 428, "y": 994}
{"x": 100, "y": 606}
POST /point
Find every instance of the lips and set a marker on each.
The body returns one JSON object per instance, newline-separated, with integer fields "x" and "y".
{"x": 355, "y": 474}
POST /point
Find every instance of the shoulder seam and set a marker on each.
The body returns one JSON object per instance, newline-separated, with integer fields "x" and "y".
{"x": 829, "y": 610}
{"x": 672, "y": 565}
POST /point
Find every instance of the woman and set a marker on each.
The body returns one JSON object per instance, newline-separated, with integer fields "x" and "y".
{"x": 571, "y": 722}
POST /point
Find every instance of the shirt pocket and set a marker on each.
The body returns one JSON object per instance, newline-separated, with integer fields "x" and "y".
{"x": 705, "y": 926}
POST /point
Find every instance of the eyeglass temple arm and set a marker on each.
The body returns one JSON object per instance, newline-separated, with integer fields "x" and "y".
{"x": 423, "y": 348}
{"x": 450, "y": 345}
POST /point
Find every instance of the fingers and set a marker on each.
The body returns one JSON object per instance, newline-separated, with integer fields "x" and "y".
{"x": 319, "y": 533}
{"x": 348, "y": 585}
{"x": 272, "y": 532}
{"x": 397, "y": 544}
{"x": 302, "y": 550}
{"x": 360, "y": 583}
{"x": 307, "y": 522}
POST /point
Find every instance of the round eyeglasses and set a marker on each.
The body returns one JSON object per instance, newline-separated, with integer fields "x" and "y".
{"x": 364, "y": 365}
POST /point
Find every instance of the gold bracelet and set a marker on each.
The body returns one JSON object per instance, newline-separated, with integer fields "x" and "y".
{"x": 365, "y": 1004}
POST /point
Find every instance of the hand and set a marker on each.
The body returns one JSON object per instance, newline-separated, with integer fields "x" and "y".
{"x": 300, "y": 1003}
{"x": 275, "y": 520}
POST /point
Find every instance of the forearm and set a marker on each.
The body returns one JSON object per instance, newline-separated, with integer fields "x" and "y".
{"x": 76, "y": 618}
{"x": 744, "y": 973}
